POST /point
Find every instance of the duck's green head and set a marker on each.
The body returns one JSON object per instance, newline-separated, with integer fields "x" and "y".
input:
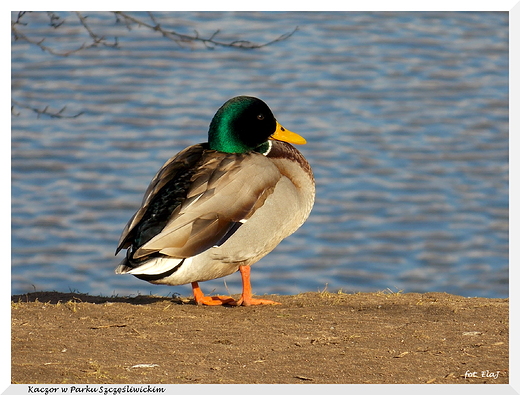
{"x": 244, "y": 124}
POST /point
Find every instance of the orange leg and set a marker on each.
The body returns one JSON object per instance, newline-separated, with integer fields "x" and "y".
{"x": 247, "y": 293}
{"x": 209, "y": 300}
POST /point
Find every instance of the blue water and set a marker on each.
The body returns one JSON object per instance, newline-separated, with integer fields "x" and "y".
{"x": 405, "y": 114}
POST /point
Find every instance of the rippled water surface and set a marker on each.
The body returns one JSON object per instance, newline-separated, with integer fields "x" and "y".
{"x": 405, "y": 114}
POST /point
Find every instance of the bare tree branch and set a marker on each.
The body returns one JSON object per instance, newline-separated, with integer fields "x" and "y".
{"x": 57, "y": 114}
{"x": 19, "y": 17}
{"x": 96, "y": 40}
{"x": 210, "y": 42}
{"x": 56, "y": 21}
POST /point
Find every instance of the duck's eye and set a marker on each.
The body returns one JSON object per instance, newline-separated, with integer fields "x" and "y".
{"x": 260, "y": 117}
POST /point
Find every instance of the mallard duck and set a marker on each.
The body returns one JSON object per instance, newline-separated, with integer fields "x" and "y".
{"x": 220, "y": 206}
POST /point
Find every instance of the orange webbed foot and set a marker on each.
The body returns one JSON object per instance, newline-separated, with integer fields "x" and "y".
{"x": 200, "y": 299}
{"x": 214, "y": 300}
{"x": 245, "y": 300}
{"x": 247, "y": 293}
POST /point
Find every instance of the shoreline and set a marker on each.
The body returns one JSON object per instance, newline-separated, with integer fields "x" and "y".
{"x": 318, "y": 337}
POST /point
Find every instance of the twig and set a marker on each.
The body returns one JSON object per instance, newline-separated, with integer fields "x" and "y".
{"x": 108, "y": 326}
{"x": 58, "y": 114}
{"x": 210, "y": 42}
{"x": 56, "y": 21}
{"x": 19, "y": 17}
{"x": 96, "y": 40}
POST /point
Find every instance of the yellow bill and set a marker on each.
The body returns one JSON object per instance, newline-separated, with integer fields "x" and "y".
{"x": 283, "y": 134}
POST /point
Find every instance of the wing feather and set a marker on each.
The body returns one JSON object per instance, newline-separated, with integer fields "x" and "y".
{"x": 174, "y": 169}
{"x": 223, "y": 190}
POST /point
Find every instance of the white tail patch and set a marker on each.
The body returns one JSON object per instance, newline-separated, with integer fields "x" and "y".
{"x": 153, "y": 266}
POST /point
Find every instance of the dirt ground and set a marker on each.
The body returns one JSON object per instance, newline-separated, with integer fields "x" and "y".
{"x": 309, "y": 338}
